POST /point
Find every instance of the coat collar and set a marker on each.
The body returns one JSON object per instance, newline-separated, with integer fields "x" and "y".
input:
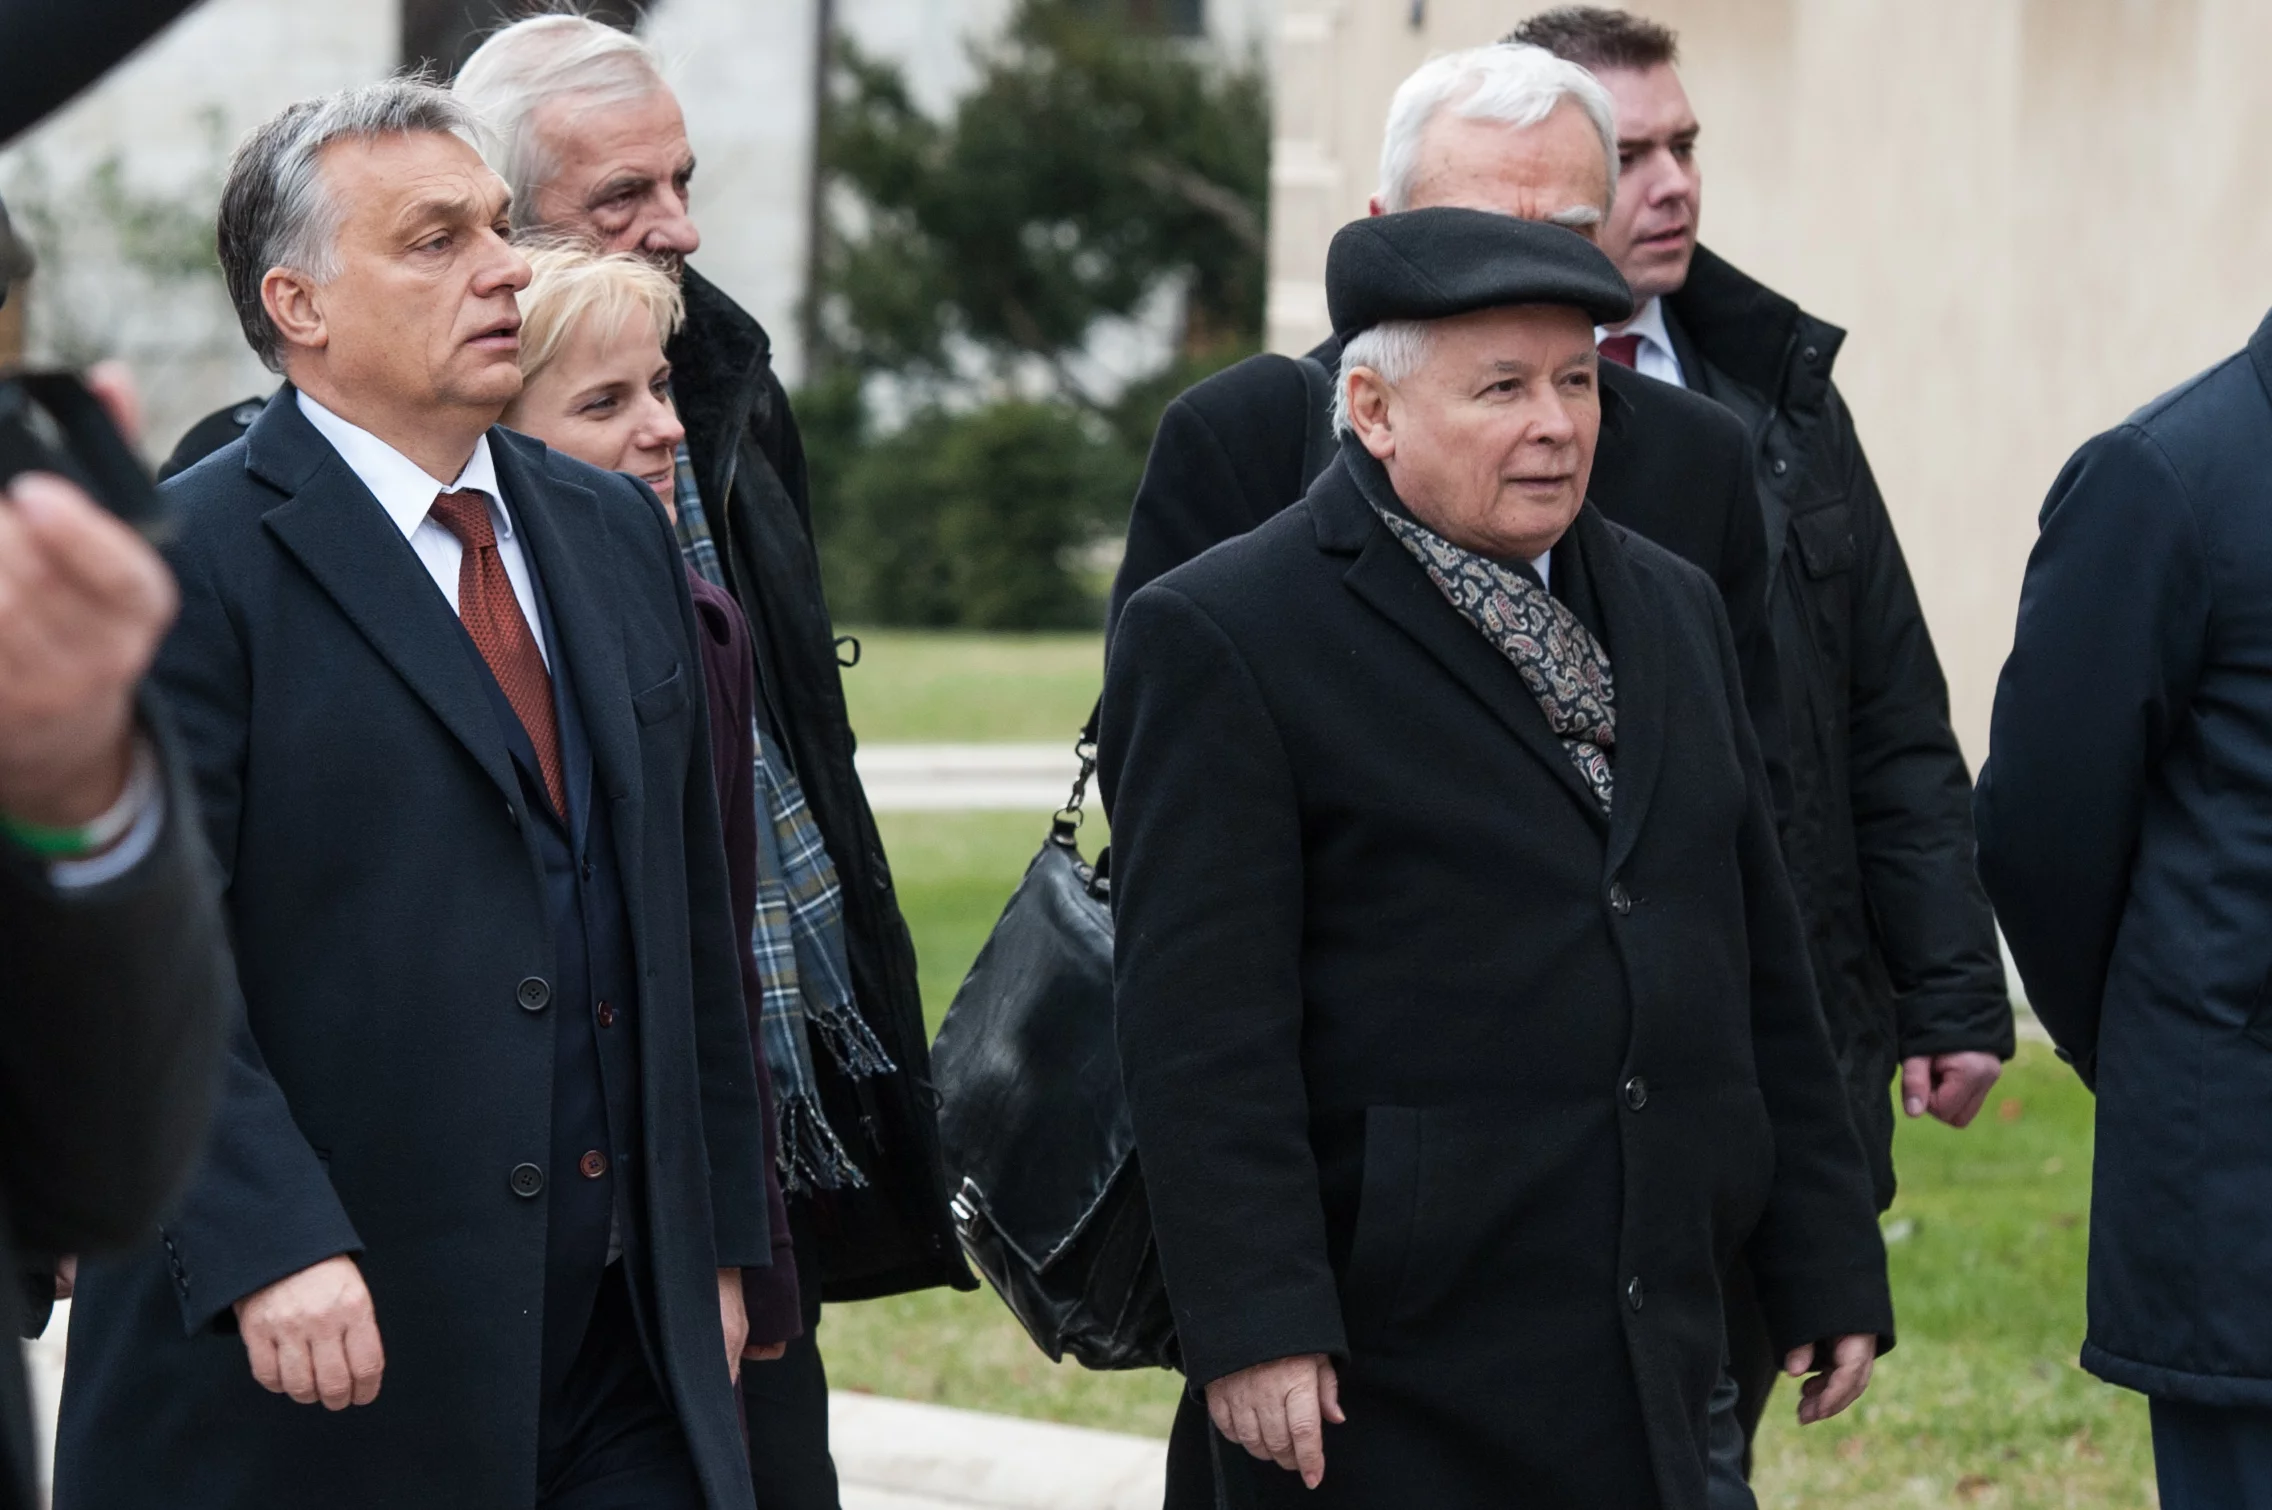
{"x": 2260, "y": 354}
{"x": 1386, "y": 577}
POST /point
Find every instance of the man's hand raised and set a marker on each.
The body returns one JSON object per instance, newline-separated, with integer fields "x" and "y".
{"x": 1277, "y": 1411}
{"x": 314, "y": 1336}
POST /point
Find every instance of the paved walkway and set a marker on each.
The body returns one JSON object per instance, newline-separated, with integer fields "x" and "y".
{"x": 1033, "y": 778}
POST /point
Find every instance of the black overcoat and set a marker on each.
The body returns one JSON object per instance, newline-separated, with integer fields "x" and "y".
{"x": 1230, "y": 452}
{"x": 1433, "y": 1068}
{"x": 384, "y": 1078}
{"x": 2125, "y": 814}
{"x": 1878, "y": 831}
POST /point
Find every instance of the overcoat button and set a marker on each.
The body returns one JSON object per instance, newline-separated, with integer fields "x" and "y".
{"x": 1811, "y": 353}
{"x": 1620, "y": 900}
{"x": 1636, "y": 1093}
{"x": 1633, "y": 1295}
{"x": 592, "y": 1165}
{"x": 534, "y": 994}
{"x": 605, "y": 1012}
{"x": 1781, "y": 466}
{"x": 527, "y": 1180}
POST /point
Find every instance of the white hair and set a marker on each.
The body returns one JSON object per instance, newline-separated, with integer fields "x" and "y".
{"x": 1509, "y": 83}
{"x": 1395, "y": 349}
{"x": 278, "y": 209}
{"x": 527, "y": 66}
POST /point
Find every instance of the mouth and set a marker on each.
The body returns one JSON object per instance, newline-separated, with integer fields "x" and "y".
{"x": 1666, "y": 240}
{"x": 504, "y": 336}
{"x": 665, "y": 482}
{"x": 1555, "y": 483}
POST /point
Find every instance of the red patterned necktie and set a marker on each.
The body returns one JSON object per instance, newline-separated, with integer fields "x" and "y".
{"x": 492, "y": 615}
{"x": 1624, "y": 350}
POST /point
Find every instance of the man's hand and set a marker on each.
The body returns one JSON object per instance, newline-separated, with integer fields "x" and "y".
{"x": 314, "y": 1336}
{"x": 1277, "y": 1411}
{"x": 1826, "y": 1394}
{"x": 83, "y": 604}
{"x": 66, "y": 1276}
{"x": 1950, "y": 1086}
{"x": 765, "y": 1352}
{"x": 733, "y": 1318}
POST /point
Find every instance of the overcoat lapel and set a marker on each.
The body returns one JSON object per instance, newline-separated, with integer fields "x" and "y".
{"x": 1386, "y": 577}
{"x": 1635, "y": 628}
{"x": 561, "y": 524}
{"x": 332, "y": 525}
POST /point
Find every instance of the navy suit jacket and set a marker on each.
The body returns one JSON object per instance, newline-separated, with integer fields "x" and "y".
{"x": 2125, "y": 831}
{"x": 386, "y": 1075}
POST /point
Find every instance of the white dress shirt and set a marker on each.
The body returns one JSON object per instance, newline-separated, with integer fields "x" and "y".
{"x": 1656, "y": 358}
{"x": 407, "y": 494}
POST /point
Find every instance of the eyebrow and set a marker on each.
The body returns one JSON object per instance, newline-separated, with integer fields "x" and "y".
{"x": 1575, "y": 216}
{"x": 454, "y": 209}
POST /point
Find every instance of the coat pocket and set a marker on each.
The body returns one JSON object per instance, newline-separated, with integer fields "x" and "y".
{"x": 665, "y": 699}
{"x": 1385, "y": 1208}
{"x": 1826, "y": 540}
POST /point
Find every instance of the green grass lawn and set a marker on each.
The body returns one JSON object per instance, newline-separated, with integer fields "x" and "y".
{"x": 1982, "y": 1403}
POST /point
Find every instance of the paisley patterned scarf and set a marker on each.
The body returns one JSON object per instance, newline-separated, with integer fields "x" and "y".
{"x": 1557, "y": 657}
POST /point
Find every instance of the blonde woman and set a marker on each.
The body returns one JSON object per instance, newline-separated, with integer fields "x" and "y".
{"x": 596, "y": 386}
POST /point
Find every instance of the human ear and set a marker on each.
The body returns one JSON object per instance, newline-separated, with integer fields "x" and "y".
{"x": 1369, "y": 415}
{"x": 294, "y": 307}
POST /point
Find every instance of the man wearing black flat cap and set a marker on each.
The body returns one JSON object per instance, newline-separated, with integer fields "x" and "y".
{"x": 1464, "y": 1008}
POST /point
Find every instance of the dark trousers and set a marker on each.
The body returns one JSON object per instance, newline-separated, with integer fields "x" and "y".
{"x": 607, "y": 1438}
{"x": 785, "y": 1402}
{"x": 2212, "y": 1457}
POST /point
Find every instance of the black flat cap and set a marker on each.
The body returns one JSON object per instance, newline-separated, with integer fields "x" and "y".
{"x": 1434, "y": 263}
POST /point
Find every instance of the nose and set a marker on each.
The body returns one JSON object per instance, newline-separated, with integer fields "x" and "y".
{"x": 508, "y": 272}
{"x": 1554, "y": 423}
{"x": 659, "y": 427}
{"x": 675, "y": 232}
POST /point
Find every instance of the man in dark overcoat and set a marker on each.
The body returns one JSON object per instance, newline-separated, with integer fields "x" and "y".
{"x": 1464, "y": 1010}
{"x": 2123, "y": 815}
{"x": 1493, "y": 128}
{"x": 486, "y": 1165}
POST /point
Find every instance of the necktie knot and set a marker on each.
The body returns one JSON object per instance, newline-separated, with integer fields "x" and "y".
{"x": 465, "y": 514}
{"x": 1624, "y": 350}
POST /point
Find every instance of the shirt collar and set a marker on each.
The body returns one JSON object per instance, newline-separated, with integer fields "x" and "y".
{"x": 402, "y": 487}
{"x": 1648, "y": 323}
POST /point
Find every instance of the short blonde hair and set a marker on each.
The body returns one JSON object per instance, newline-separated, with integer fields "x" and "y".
{"x": 570, "y": 285}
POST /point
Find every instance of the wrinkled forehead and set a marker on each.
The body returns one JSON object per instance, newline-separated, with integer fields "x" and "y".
{"x": 600, "y": 132}
{"x": 388, "y": 183}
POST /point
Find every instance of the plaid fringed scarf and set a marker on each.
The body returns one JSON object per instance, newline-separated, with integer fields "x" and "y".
{"x": 1557, "y": 657}
{"x": 797, "y": 938}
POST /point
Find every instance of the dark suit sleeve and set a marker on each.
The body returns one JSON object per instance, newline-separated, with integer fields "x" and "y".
{"x": 732, "y": 1116}
{"x": 261, "y": 1207}
{"x": 1742, "y": 579}
{"x": 2113, "y": 632}
{"x": 111, "y": 1049}
{"x": 1816, "y": 1254}
{"x": 1912, "y": 807}
{"x": 1208, "y": 922}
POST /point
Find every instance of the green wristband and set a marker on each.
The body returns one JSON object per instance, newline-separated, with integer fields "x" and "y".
{"x": 48, "y": 843}
{"x": 87, "y": 839}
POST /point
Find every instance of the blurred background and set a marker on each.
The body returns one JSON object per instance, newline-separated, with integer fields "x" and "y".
{"x": 990, "y": 238}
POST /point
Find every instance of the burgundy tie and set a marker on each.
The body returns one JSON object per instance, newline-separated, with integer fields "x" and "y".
{"x": 492, "y": 615}
{"x": 1623, "y": 350}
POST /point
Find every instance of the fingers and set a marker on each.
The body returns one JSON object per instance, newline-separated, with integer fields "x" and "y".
{"x": 1962, "y": 1085}
{"x": 1246, "y": 1429}
{"x": 335, "y": 1385}
{"x": 298, "y": 1368}
{"x": 1329, "y": 1392}
{"x": 260, "y": 1352}
{"x": 1305, "y": 1429}
{"x": 366, "y": 1362}
{"x": 87, "y": 546}
{"x": 764, "y": 1352}
{"x": 66, "y": 1276}
{"x": 1826, "y": 1394}
{"x": 1219, "y": 1409}
{"x": 112, "y": 384}
{"x": 1916, "y": 1084}
{"x": 1799, "y": 1360}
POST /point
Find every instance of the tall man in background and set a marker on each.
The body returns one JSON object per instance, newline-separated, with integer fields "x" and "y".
{"x": 1879, "y": 835}
{"x": 591, "y": 140}
{"x": 489, "y": 1132}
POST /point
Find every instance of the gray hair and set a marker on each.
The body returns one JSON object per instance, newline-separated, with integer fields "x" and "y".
{"x": 531, "y": 63}
{"x": 1509, "y": 83}
{"x": 1395, "y": 349}
{"x": 277, "y": 210}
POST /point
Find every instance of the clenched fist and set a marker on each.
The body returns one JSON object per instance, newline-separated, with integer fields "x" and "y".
{"x": 314, "y": 1336}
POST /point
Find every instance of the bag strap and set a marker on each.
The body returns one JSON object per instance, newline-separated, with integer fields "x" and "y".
{"x": 1068, "y": 818}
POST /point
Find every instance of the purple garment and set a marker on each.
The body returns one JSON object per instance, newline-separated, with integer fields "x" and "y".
{"x": 769, "y": 1295}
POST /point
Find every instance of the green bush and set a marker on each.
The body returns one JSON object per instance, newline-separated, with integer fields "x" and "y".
{"x": 971, "y": 520}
